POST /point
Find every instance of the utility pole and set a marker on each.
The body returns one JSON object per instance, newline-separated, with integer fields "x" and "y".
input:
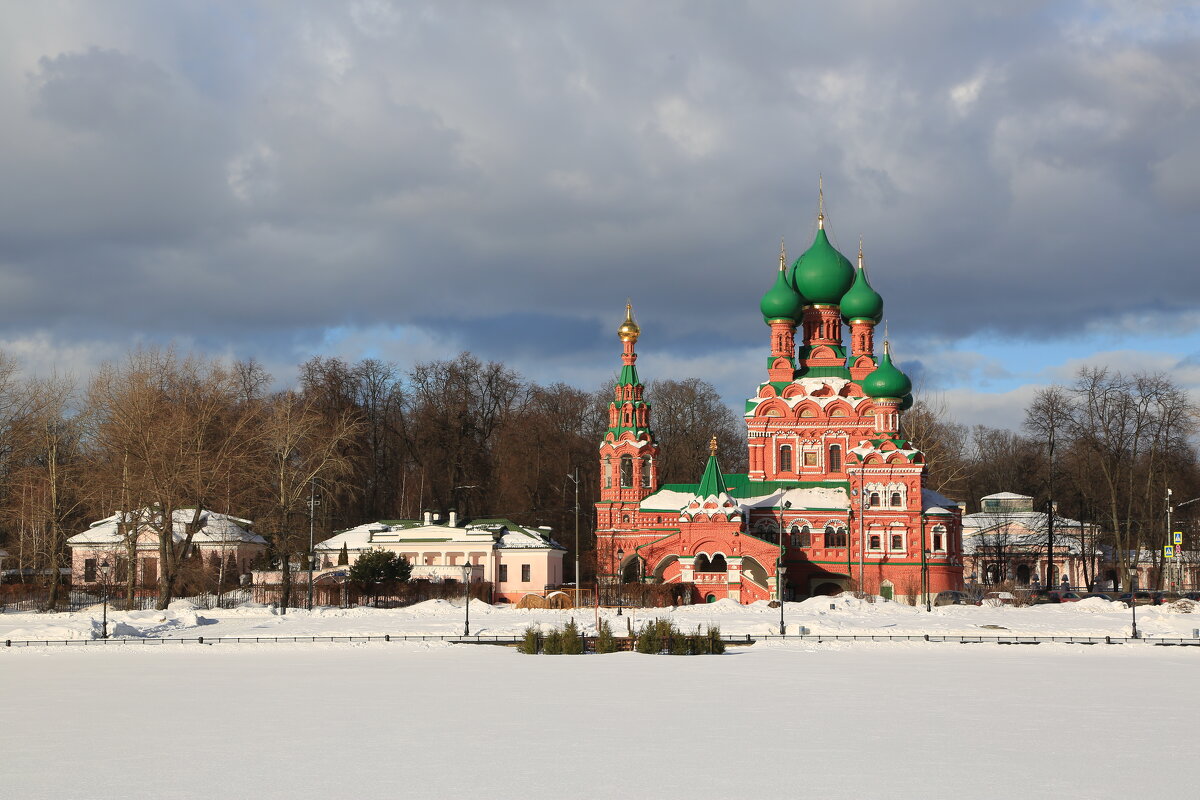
{"x": 575, "y": 477}
{"x": 1168, "y": 539}
{"x": 1050, "y": 544}
{"x": 312, "y": 512}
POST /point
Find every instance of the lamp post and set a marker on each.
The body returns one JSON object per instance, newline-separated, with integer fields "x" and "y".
{"x": 313, "y": 502}
{"x": 575, "y": 478}
{"x": 925, "y": 578}
{"x": 467, "y": 599}
{"x": 780, "y": 571}
{"x": 620, "y": 558}
{"x": 105, "y": 569}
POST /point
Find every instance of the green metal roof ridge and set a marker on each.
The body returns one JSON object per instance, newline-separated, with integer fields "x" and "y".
{"x": 712, "y": 483}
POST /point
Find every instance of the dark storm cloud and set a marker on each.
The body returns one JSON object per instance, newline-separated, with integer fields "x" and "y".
{"x": 248, "y": 175}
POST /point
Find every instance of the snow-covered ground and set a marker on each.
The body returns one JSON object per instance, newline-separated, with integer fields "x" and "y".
{"x": 840, "y": 615}
{"x": 407, "y": 719}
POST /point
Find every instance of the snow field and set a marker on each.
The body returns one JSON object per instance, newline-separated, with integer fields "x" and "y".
{"x": 439, "y": 617}
{"x": 447, "y": 721}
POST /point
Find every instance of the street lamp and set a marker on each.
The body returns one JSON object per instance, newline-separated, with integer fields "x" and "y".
{"x": 467, "y": 598}
{"x": 105, "y": 569}
{"x": 925, "y": 577}
{"x": 313, "y": 502}
{"x": 780, "y": 570}
{"x": 620, "y": 558}
{"x": 575, "y": 478}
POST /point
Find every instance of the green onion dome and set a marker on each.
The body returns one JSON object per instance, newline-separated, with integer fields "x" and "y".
{"x": 886, "y": 380}
{"x": 782, "y": 301}
{"x": 822, "y": 274}
{"x": 862, "y": 302}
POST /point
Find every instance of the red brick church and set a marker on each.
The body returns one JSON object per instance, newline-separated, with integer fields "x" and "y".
{"x": 833, "y": 500}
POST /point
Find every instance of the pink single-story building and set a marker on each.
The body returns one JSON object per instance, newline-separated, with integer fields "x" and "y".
{"x": 219, "y": 539}
{"x": 515, "y": 559}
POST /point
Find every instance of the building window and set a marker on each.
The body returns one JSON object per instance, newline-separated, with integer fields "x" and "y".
{"x": 89, "y": 570}
{"x": 897, "y": 541}
{"x": 801, "y": 537}
{"x": 624, "y": 518}
{"x": 835, "y": 458}
{"x": 504, "y": 573}
{"x": 876, "y": 542}
{"x": 835, "y": 538}
{"x": 607, "y": 472}
{"x": 896, "y": 500}
{"x": 646, "y": 461}
{"x": 785, "y": 458}
{"x": 873, "y": 500}
{"x": 525, "y": 577}
{"x": 626, "y": 471}
{"x": 939, "y": 538}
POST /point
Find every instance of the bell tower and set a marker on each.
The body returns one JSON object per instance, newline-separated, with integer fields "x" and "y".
{"x": 628, "y": 453}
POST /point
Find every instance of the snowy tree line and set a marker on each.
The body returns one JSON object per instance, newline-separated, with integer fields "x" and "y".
{"x": 177, "y": 433}
{"x": 1106, "y": 448}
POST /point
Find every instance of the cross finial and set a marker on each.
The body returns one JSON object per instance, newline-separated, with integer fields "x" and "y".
{"x": 820, "y": 201}
{"x": 860, "y": 241}
{"x": 782, "y": 255}
{"x": 712, "y": 446}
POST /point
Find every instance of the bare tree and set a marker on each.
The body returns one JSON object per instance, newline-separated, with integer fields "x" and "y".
{"x": 299, "y": 447}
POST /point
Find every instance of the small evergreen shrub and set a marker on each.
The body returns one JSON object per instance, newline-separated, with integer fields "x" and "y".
{"x": 552, "y": 645}
{"x": 605, "y": 641}
{"x": 531, "y": 644}
{"x": 572, "y": 642}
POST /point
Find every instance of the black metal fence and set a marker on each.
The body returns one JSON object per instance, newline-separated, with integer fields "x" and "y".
{"x": 623, "y": 642}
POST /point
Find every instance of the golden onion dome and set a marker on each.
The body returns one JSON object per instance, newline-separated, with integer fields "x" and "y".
{"x": 629, "y": 330}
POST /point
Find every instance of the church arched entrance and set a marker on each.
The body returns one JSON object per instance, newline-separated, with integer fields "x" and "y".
{"x": 827, "y": 589}
{"x": 1023, "y": 574}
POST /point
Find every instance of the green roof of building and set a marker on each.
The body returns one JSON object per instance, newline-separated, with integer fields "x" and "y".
{"x": 739, "y": 484}
{"x": 712, "y": 483}
{"x": 861, "y": 302}
{"x": 629, "y": 376}
{"x": 822, "y": 274}
{"x": 781, "y": 301}
{"x": 886, "y": 380}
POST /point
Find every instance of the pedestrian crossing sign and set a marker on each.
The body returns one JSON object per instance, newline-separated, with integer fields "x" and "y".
{"x": 1168, "y": 551}
{"x": 1178, "y": 535}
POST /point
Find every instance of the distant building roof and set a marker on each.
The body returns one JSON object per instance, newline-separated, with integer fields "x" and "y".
{"x": 213, "y": 528}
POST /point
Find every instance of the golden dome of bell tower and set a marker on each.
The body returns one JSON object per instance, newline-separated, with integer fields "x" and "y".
{"x": 629, "y": 330}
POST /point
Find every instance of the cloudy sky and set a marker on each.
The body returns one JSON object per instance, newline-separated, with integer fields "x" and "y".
{"x": 407, "y": 180}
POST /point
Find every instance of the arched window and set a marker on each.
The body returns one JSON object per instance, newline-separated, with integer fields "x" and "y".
{"x": 835, "y": 537}
{"x": 939, "y": 538}
{"x": 785, "y": 458}
{"x": 718, "y": 564}
{"x": 897, "y": 501}
{"x": 873, "y": 500}
{"x": 624, "y": 518}
{"x": 646, "y": 462}
{"x": 801, "y": 537}
{"x": 876, "y": 542}
{"x": 626, "y": 471}
{"x": 607, "y": 472}
{"x": 835, "y": 458}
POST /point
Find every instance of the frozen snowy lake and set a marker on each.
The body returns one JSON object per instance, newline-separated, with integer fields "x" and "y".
{"x": 439, "y": 720}
{"x": 408, "y": 719}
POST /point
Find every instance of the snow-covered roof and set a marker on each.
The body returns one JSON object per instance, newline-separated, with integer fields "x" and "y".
{"x": 214, "y": 528}
{"x": 1006, "y": 496}
{"x": 484, "y": 532}
{"x": 934, "y": 503}
{"x": 800, "y": 499}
